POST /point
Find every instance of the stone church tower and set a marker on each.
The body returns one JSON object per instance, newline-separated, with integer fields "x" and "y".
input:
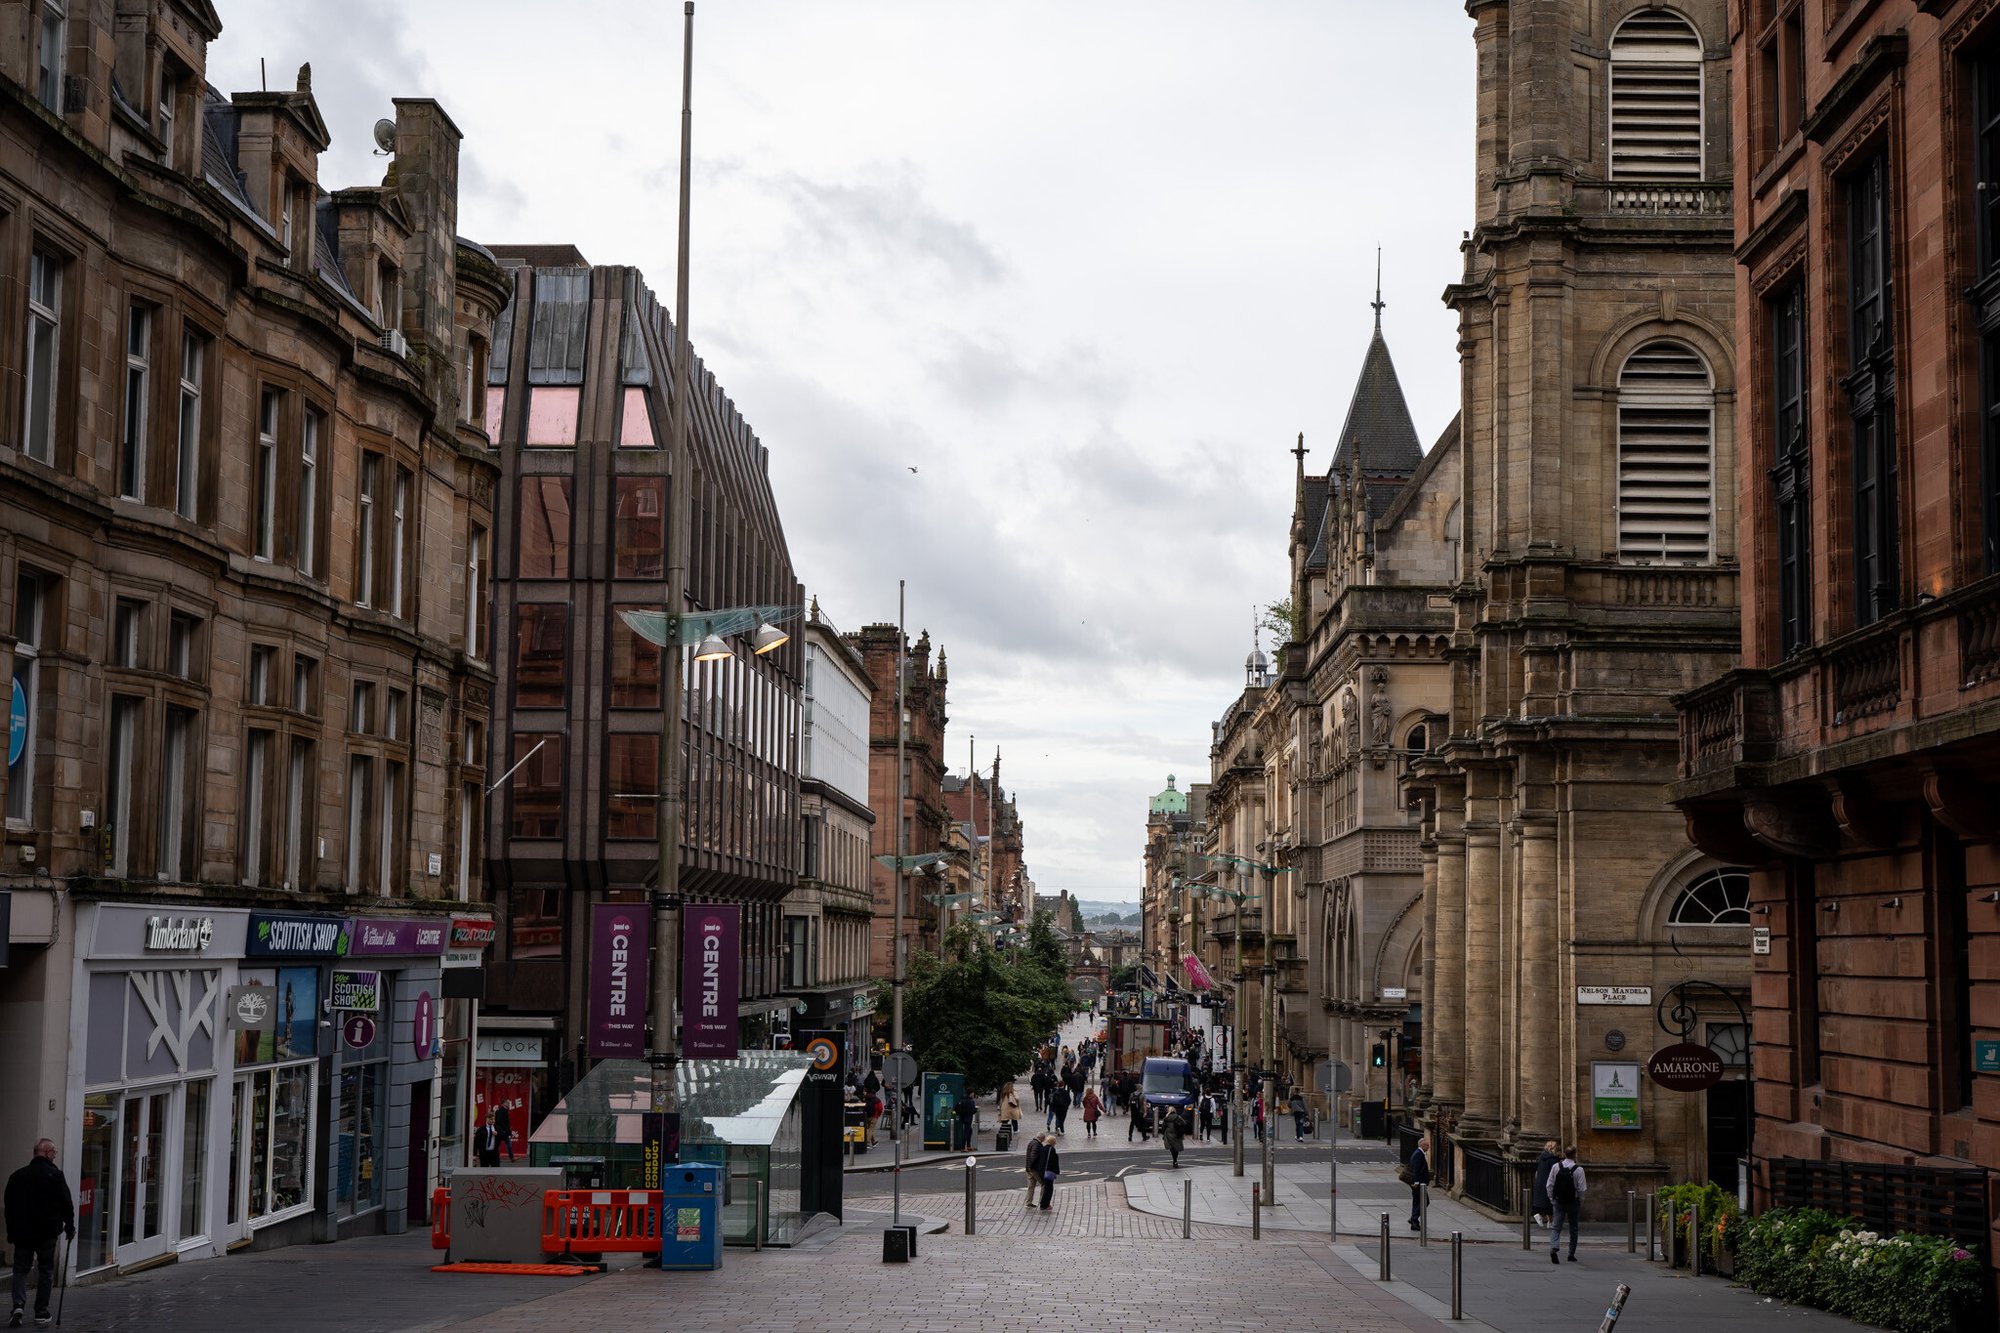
{"x": 1597, "y": 578}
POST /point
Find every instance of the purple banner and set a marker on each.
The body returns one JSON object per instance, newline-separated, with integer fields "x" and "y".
{"x": 618, "y": 972}
{"x": 402, "y": 935}
{"x": 708, "y": 980}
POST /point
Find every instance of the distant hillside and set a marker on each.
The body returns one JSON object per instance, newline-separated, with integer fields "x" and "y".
{"x": 1099, "y": 907}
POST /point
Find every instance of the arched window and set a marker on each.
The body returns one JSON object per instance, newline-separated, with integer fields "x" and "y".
{"x": 1718, "y": 898}
{"x": 1417, "y": 741}
{"x": 1666, "y": 474}
{"x": 1656, "y": 99}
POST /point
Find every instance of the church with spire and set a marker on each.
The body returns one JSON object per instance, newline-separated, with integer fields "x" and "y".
{"x": 1307, "y": 761}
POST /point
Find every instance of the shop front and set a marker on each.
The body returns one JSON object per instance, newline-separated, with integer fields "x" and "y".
{"x": 395, "y": 1105}
{"x": 150, "y": 1082}
{"x": 280, "y": 1044}
{"x": 513, "y": 1072}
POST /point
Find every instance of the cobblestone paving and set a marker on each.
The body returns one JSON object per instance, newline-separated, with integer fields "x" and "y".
{"x": 993, "y": 1283}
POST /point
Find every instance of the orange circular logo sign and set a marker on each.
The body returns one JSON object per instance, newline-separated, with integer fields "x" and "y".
{"x": 823, "y": 1053}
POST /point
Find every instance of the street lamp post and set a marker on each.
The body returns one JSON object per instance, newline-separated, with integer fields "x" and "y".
{"x": 665, "y": 1052}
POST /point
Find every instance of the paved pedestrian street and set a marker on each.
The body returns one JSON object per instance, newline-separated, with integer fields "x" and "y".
{"x": 1092, "y": 1259}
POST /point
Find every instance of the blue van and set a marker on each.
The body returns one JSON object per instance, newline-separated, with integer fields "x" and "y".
{"x": 1168, "y": 1082}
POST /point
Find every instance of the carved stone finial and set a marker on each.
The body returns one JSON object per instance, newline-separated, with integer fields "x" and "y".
{"x": 306, "y": 77}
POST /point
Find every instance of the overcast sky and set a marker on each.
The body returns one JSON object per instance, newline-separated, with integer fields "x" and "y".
{"x": 1087, "y": 265}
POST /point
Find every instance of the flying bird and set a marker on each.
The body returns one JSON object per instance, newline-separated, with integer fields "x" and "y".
{"x": 913, "y": 469}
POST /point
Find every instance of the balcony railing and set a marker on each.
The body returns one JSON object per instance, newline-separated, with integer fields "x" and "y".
{"x": 1868, "y": 675}
{"x": 1979, "y": 637}
{"x": 1725, "y": 723}
{"x": 1685, "y": 200}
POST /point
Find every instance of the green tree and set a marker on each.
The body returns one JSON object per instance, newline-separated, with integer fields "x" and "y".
{"x": 1124, "y": 976}
{"x": 1281, "y": 621}
{"x": 976, "y": 1011}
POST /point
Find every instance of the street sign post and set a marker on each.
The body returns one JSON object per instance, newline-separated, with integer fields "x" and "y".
{"x": 899, "y": 1069}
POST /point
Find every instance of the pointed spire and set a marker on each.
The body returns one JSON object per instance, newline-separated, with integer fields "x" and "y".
{"x": 1378, "y": 302}
{"x": 1299, "y": 452}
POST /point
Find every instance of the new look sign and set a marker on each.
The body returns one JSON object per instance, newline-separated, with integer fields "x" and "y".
{"x": 618, "y": 977}
{"x": 709, "y": 934}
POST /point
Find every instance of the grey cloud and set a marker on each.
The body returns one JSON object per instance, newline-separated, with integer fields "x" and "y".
{"x": 881, "y": 218}
{"x": 988, "y": 372}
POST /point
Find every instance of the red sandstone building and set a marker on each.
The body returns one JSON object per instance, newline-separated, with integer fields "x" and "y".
{"x": 921, "y": 818}
{"x": 1848, "y": 763}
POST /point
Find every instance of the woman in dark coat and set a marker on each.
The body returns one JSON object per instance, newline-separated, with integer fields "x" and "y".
{"x": 1541, "y": 1205}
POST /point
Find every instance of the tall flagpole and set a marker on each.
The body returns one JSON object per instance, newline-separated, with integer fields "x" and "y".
{"x": 667, "y": 892}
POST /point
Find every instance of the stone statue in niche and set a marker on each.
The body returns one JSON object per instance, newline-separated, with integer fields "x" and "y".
{"x": 1378, "y": 720}
{"x": 1350, "y": 719}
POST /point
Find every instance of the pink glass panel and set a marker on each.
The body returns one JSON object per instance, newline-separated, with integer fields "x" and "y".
{"x": 552, "y": 414}
{"x": 635, "y": 425}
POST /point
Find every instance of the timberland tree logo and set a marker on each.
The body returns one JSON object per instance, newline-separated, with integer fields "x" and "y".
{"x": 177, "y": 1009}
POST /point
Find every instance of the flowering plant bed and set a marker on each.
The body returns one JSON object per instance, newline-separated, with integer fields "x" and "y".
{"x": 1910, "y": 1283}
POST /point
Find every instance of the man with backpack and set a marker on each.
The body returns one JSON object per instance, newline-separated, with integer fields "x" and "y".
{"x": 1566, "y": 1187}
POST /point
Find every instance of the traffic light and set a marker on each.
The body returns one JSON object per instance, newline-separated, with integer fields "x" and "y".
{"x": 1379, "y": 1056}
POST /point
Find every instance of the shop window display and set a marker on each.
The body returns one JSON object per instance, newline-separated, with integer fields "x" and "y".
{"x": 272, "y": 1163}
{"x": 362, "y": 1121}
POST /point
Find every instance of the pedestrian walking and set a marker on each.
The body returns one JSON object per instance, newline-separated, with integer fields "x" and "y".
{"x": 1539, "y": 1205}
{"x": 1566, "y": 1187}
{"x": 1172, "y": 1135}
{"x": 503, "y": 1129}
{"x": 1051, "y": 1167}
{"x": 1417, "y": 1173}
{"x": 39, "y": 1209}
{"x": 1222, "y": 1103}
{"x": 1036, "y": 1149}
{"x": 1135, "y": 1108}
{"x": 1010, "y": 1107}
{"x": 968, "y": 1117}
{"x": 873, "y": 1118}
{"x": 1039, "y": 1081}
{"x": 1257, "y": 1113}
{"x": 486, "y": 1142}
{"x": 1059, "y": 1107}
{"x": 1205, "y": 1112}
{"x": 1298, "y": 1114}
{"x": 1074, "y": 1078}
{"x": 1092, "y": 1110}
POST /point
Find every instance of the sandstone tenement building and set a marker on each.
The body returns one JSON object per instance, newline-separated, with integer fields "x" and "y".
{"x": 245, "y": 503}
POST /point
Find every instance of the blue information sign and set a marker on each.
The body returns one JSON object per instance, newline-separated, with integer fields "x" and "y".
{"x": 17, "y": 726}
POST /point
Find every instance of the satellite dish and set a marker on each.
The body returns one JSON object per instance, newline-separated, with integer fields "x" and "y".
{"x": 385, "y": 136}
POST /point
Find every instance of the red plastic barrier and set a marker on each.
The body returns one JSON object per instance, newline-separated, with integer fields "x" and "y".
{"x": 440, "y": 1219}
{"x": 601, "y": 1222}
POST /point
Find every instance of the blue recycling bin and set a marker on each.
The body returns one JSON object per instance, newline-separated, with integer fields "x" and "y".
{"x": 690, "y": 1217}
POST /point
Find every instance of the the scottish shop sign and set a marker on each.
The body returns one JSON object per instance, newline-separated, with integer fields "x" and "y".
{"x": 284, "y": 935}
{"x": 1614, "y": 1095}
{"x": 356, "y": 992}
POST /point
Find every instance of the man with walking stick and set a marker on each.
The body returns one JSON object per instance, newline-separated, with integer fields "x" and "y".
{"x": 39, "y": 1209}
